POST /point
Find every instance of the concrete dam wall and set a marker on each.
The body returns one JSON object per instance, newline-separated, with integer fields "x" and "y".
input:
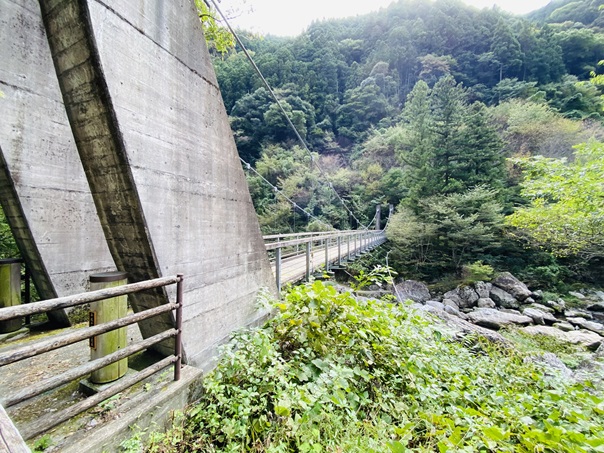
{"x": 141, "y": 123}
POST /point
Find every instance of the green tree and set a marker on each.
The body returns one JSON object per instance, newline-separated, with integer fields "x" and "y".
{"x": 506, "y": 50}
{"x": 566, "y": 211}
{"x": 447, "y": 231}
{"x": 363, "y": 108}
{"x": 219, "y": 38}
{"x": 8, "y": 247}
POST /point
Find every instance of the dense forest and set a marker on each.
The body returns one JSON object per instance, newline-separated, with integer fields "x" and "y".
{"x": 466, "y": 120}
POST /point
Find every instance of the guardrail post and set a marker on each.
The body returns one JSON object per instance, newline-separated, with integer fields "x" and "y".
{"x": 355, "y": 245}
{"x": 348, "y": 245}
{"x": 278, "y": 268}
{"x": 178, "y": 339}
{"x": 103, "y": 311}
{"x": 339, "y": 250}
{"x": 10, "y": 291}
{"x": 308, "y": 245}
{"x": 326, "y": 255}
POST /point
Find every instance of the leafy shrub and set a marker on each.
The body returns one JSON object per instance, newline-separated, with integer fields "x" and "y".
{"x": 331, "y": 374}
{"x": 477, "y": 271}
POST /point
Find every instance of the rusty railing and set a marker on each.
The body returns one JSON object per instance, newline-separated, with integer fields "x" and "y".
{"x": 61, "y": 340}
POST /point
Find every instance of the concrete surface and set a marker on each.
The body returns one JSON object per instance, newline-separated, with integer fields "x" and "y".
{"x": 43, "y": 189}
{"x": 152, "y": 131}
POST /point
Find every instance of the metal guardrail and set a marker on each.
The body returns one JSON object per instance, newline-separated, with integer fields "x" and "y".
{"x": 61, "y": 340}
{"x": 293, "y": 258}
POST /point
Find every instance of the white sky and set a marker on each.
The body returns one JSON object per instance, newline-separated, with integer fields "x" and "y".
{"x": 290, "y": 18}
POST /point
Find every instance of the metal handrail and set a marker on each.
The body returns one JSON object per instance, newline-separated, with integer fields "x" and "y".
{"x": 58, "y": 341}
{"x": 285, "y": 254}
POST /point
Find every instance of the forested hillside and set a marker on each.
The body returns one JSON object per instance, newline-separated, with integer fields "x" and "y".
{"x": 422, "y": 105}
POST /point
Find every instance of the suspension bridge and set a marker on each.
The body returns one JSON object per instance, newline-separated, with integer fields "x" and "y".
{"x": 117, "y": 158}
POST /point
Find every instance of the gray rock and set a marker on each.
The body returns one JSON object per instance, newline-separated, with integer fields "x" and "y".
{"x": 577, "y": 295}
{"x": 600, "y": 351}
{"x": 574, "y": 313}
{"x": 453, "y": 295}
{"x": 486, "y": 302}
{"x": 468, "y": 296}
{"x": 588, "y": 325}
{"x": 435, "y": 304}
{"x": 558, "y": 305}
{"x": 599, "y": 295}
{"x": 450, "y": 303}
{"x": 482, "y": 289}
{"x": 564, "y": 326}
{"x": 588, "y": 339}
{"x": 413, "y": 290}
{"x": 542, "y": 308}
{"x": 597, "y": 307}
{"x": 503, "y": 298}
{"x": 454, "y": 311}
{"x": 510, "y": 310}
{"x": 512, "y": 285}
{"x": 495, "y": 319}
{"x": 552, "y": 364}
{"x": 528, "y": 301}
{"x": 537, "y": 295}
{"x": 540, "y": 317}
{"x": 460, "y": 327}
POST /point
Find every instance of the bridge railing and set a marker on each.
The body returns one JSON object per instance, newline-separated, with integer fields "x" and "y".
{"x": 295, "y": 256}
{"x": 54, "y": 342}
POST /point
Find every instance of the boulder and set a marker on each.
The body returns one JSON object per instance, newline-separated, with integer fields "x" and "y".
{"x": 503, "y": 299}
{"x": 542, "y": 308}
{"x": 454, "y": 297}
{"x": 597, "y": 307}
{"x": 512, "y": 285}
{"x": 577, "y": 295}
{"x": 495, "y": 319}
{"x": 468, "y": 296}
{"x": 540, "y": 317}
{"x": 528, "y": 301}
{"x": 455, "y": 311}
{"x": 537, "y": 295}
{"x": 435, "y": 304}
{"x": 413, "y": 290}
{"x": 588, "y": 339}
{"x": 558, "y": 305}
{"x": 574, "y": 313}
{"x": 450, "y": 303}
{"x": 588, "y": 325}
{"x": 552, "y": 364}
{"x": 459, "y": 327}
{"x": 486, "y": 302}
{"x": 599, "y": 295}
{"x": 482, "y": 289}
{"x": 564, "y": 326}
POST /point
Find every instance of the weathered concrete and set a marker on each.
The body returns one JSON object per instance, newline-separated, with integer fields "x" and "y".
{"x": 43, "y": 189}
{"x": 158, "y": 152}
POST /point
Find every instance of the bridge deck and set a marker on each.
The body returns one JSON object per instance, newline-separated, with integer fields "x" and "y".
{"x": 293, "y": 268}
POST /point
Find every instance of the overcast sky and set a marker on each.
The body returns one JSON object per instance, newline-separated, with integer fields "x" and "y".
{"x": 290, "y": 18}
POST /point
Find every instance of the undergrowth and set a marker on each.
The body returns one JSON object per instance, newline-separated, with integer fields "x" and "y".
{"x": 334, "y": 374}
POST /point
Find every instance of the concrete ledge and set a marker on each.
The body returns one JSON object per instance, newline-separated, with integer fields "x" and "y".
{"x": 146, "y": 409}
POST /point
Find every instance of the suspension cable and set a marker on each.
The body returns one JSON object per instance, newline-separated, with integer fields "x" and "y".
{"x": 291, "y": 124}
{"x": 280, "y": 193}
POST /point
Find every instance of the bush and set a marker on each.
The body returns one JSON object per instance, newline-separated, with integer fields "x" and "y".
{"x": 331, "y": 373}
{"x": 477, "y": 271}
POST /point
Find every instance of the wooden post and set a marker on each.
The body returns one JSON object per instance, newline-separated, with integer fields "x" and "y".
{"x": 103, "y": 311}
{"x": 10, "y": 291}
